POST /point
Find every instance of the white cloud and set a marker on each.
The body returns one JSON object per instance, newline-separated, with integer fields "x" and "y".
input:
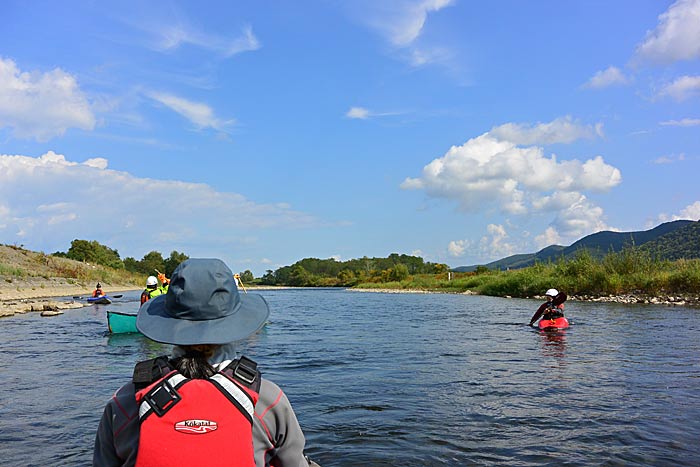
{"x": 669, "y": 159}
{"x": 549, "y": 237}
{"x": 457, "y": 248}
{"x": 605, "y": 78}
{"x": 560, "y": 130}
{"x": 690, "y": 212}
{"x": 174, "y": 36}
{"x": 41, "y": 105}
{"x": 364, "y": 114}
{"x": 403, "y": 21}
{"x": 487, "y": 171}
{"x": 682, "y": 122}
{"x": 357, "y": 112}
{"x": 199, "y": 114}
{"x": 682, "y": 88}
{"x": 494, "y": 244}
{"x": 676, "y": 37}
{"x": 66, "y": 196}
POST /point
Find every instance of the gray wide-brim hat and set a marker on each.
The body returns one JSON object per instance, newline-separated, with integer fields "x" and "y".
{"x": 202, "y": 306}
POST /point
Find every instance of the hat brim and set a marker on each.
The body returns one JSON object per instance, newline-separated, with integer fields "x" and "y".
{"x": 154, "y": 321}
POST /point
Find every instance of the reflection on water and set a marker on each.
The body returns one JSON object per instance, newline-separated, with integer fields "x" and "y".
{"x": 553, "y": 343}
{"x": 392, "y": 379}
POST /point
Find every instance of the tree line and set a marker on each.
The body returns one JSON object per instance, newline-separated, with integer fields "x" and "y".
{"x": 91, "y": 251}
{"x": 314, "y": 272}
{"x": 308, "y": 272}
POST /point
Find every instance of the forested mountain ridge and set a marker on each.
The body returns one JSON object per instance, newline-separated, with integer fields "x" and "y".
{"x": 670, "y": 240}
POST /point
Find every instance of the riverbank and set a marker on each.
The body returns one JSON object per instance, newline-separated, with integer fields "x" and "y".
{"x": 45, "y": 295}
{"x": 628, "y": 299}
{"x": 22, "y": 295}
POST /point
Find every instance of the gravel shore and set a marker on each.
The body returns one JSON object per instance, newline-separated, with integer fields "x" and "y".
{"x": 43, "y": 295}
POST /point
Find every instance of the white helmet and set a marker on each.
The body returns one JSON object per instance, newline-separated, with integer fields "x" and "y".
{"x": 552, "y": 293}
{"x": 151, "y": 280}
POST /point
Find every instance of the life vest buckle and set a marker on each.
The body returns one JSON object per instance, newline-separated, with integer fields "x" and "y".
{"x": 162, "y": 398}
{"x": 246, "y": 370}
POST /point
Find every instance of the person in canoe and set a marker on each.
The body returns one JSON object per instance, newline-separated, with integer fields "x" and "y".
{"x": 152, "y": 290}
{"x": 201, "y": 401}
{"x": 98, "y": 291}
{"x": 553, "y": 308}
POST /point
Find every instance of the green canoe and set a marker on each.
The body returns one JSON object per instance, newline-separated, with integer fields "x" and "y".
{"x": 120, "y": 323}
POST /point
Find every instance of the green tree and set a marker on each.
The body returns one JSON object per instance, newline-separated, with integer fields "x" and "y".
{"x": 299, "y": 276}
{"x": 173, "y": 262}
{"x": 247, "y": 276}
{"x": 151, "y": 262}
{"x": 94, "y": 252}
{"x": 268, "y": 278}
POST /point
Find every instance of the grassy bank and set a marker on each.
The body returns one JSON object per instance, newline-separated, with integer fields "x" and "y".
{"x": 628, "y": 272}
{"x": 20, "y": 265}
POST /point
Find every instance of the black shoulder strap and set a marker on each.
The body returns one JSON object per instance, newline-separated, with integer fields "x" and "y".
{"x": 148, "y": 371}
{"x": 245, "y": 371}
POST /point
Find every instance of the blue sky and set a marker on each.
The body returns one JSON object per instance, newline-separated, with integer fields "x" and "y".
{"x": 267, "y": 132}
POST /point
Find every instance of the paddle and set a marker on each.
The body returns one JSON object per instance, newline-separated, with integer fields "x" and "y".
{"x": 118, "y": 296}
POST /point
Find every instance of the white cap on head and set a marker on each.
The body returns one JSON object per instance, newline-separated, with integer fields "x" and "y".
{"x": 151, "y": 280}
{"x": 552, "y": 292}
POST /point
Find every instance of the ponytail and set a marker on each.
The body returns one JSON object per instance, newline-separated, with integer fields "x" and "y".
{"x": 194, "y": 365}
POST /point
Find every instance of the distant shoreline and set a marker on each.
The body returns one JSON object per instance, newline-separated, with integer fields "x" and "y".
{"x": 22, "y": 296}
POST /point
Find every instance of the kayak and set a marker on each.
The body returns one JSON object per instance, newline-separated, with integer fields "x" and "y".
{"x": 121, "y": 323}
{"x": 553, "y": 324}
{"x": 103, "y": 300}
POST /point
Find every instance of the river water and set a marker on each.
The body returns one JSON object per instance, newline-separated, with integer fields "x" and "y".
{"x": 396, "y": 380}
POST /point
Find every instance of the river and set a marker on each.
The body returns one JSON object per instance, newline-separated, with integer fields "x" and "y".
{"x": 397, "y": 380}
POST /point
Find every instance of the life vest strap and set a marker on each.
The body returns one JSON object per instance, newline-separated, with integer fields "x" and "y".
{"x": 235, "y": 394}
{"x": 162, "y": 397}
{"x": 245, "y": 371}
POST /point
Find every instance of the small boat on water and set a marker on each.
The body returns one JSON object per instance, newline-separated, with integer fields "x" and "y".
{"x": 121, "y": 323}
{"x": 553, "y": 324}
{"x": 102, "y": 300}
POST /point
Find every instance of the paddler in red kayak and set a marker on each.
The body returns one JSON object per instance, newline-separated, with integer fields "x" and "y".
{"x": 553, "y": 308}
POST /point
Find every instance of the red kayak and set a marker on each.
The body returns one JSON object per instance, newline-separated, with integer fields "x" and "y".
{"x": 557, "y": 323}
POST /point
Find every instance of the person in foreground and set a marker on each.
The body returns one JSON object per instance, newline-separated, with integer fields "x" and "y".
{"x": 553, "y": 308}
{"x": 200, "y": 406}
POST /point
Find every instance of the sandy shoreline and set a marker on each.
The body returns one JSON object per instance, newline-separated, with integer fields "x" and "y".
{"x": 26, "y": 295}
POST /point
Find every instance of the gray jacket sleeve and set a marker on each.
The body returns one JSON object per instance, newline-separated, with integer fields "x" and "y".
{"x": 117, "y": 439}
{"x": 277, "y": 437}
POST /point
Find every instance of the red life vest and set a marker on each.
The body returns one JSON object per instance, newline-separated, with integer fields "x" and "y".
{"x": 188, "y": 422}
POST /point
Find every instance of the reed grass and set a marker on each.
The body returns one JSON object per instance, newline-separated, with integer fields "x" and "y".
{"x": 630, "y": 271}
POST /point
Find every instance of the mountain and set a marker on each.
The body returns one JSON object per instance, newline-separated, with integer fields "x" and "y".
{"x": 670, "y": 240}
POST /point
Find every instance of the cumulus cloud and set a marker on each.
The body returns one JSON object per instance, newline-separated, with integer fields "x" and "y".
{"x": 495, "y": 243}
{"x": 201, "y": 115}
{"x": 690, "y": 212}
{"x": 605, "y": 78}
{"x": 560, "y": 130}
{"x": 676, "y": 37}
{"x": 682, "y": 88}
{"x": 457, "y": 248}
{"x": 41, "y": 105}
{"x": 65, "y": 194}
{"x": 550, "y": 236}
{"x": 489, "y": 171}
